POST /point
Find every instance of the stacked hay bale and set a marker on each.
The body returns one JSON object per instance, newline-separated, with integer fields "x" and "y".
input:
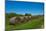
{"x": 20, "y": 19}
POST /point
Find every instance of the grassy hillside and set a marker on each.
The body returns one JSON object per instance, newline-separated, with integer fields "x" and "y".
{"x": 33, "y": 24}
{"x": 36, "y": 22}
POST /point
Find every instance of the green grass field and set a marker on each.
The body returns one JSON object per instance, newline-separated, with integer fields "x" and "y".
{"x": 34, "y": 23}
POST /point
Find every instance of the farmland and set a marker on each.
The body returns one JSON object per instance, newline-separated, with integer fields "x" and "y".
{"x": 36, "y": 22}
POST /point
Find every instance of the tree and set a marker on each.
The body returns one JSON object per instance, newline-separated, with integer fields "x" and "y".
{"x": 9, "y": 15}
{"x": 27, "y": 14}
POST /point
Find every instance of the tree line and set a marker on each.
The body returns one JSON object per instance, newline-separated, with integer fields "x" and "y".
{"x": 15, "y": 14}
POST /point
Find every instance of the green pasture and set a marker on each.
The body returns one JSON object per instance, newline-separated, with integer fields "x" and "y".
{"x": 34, "y": 23}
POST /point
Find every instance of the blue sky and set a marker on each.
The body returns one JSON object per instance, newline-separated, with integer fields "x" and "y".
{"x": 34, "y": 8}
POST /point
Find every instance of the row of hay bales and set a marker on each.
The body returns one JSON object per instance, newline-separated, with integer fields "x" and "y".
{"x": 19, "y": 19}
